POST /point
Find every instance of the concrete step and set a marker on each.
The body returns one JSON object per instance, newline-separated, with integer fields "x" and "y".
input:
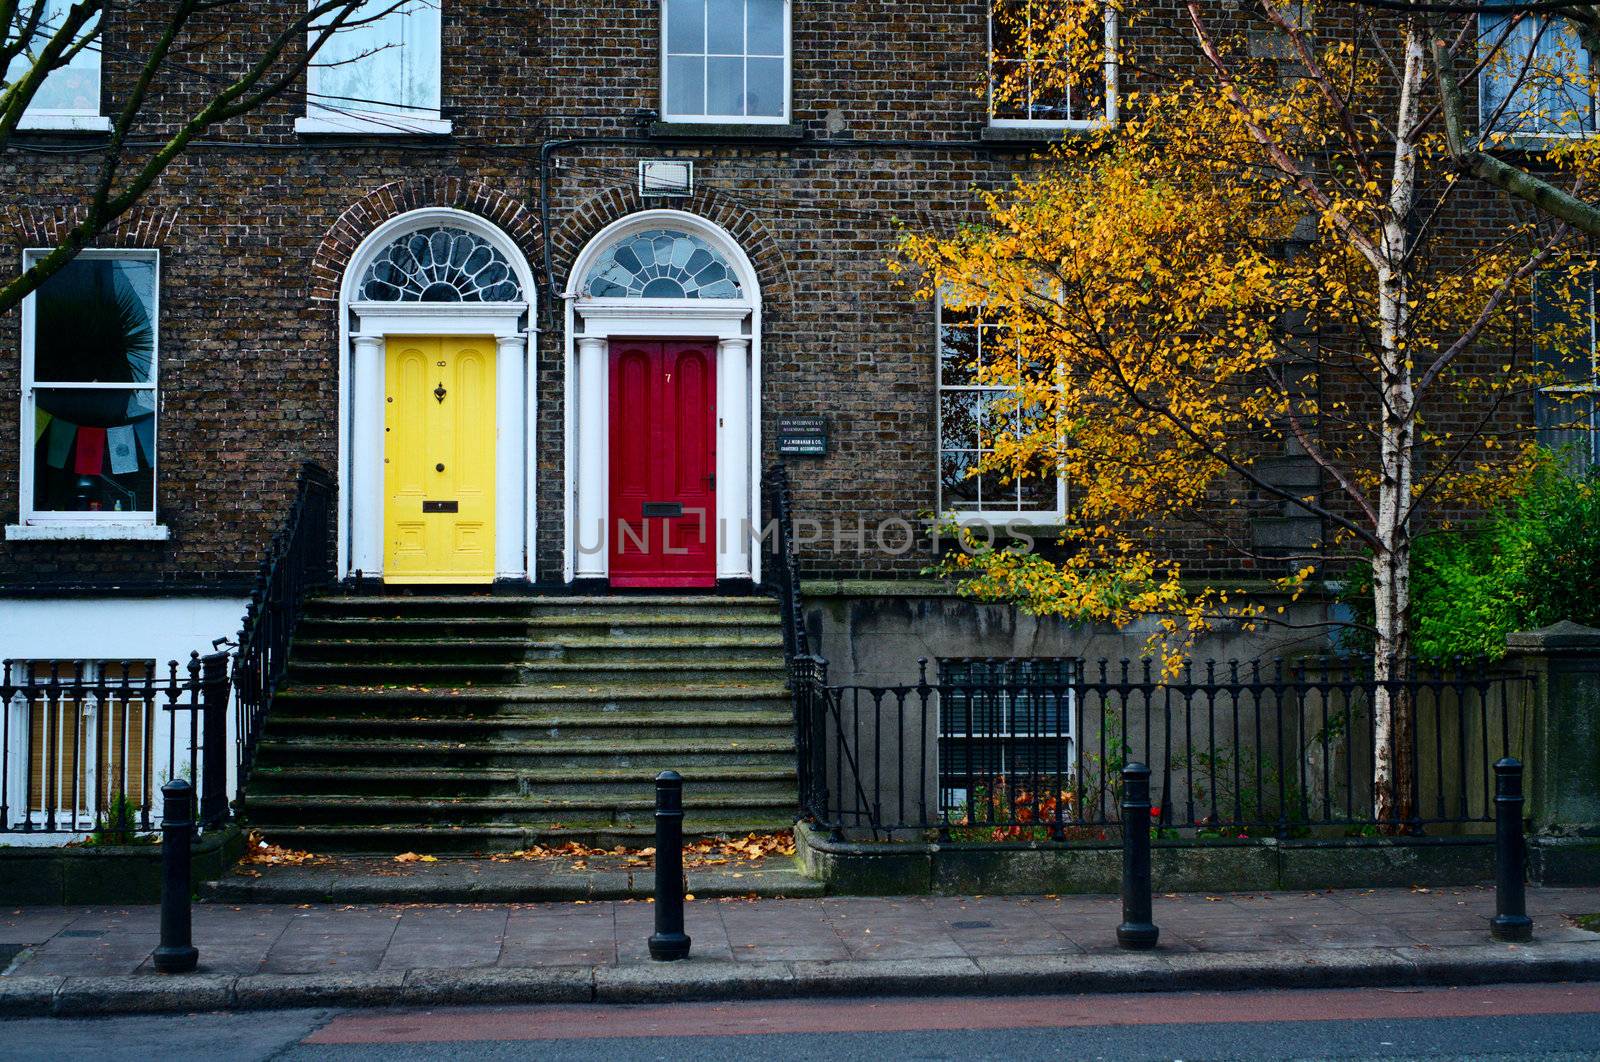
{"x": 352, "y": 809}
{"x": 491, "y": 754}
{"x": 536, "y": 733}
{"x": 595, "y": 625}
{"x": 550, "y": 674}
{"x": 640, "y": 697}
{"x": 759, "y": 648}
{"x": 765, "y": 782}
{"x": 434, "y": 839}
{"x": 464, "y": 880}
{"x": 500, "y": 607}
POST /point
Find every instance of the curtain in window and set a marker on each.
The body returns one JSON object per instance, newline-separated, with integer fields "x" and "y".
{"x": 1537, "y": 82}
{"x": 92, "y": 386}
{"x": 383, "y": 61}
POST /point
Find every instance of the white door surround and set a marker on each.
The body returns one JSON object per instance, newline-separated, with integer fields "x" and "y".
{"x": 363, "y": 330}
{"x": 733, "y": 323}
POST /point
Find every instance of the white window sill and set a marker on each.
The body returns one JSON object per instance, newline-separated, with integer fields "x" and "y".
{"x": 87, "y": 531}
{"x": 64, "y": 123}
{"x": 352, "y": 125}
{"x": 1002, "y": 520}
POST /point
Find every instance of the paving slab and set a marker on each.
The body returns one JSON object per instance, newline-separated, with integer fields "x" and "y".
{"x": 94, "y": 960}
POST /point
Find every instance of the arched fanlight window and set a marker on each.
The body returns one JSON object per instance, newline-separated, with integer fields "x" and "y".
{"x": 441, "y": 264}
{"x": 662, "y": 264}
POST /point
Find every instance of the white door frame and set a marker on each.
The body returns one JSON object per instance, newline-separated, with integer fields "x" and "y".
{"x": 591, "y": 324}
{"x": 364, "y": 328}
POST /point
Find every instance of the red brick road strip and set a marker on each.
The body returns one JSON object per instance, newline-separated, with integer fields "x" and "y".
{"x": 909, "y": 1015}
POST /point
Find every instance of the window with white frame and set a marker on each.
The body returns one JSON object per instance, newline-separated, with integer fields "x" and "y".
{"x": 725, "y": 61}
{"x": 1564, "y": 350}
{"x": 89, "y": 391}
{"x": 1535, "y": 77}
{"x": 69, "y": 97}
{"x": 378, "y": 70}
{"x": 973, "y": 411}
{"x": 1032, "y": 84}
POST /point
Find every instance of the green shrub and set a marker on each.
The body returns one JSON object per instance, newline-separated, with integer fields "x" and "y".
{"x": 1529, "y": 564}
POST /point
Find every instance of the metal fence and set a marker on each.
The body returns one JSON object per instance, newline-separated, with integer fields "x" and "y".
{"x": 1033, "y": 749}
{"x": 86, "y": 746}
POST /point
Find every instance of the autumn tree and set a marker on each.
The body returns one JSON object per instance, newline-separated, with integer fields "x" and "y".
{"x": 182, "y": 42}
{"x": 1264, "y": 256}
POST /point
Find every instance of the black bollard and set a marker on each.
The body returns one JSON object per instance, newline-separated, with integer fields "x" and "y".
{"x": 669, "y": 942}
{"x": 1511, "y": 921}
{"x": 1137, "y": 932}
{"x": 176, "y": 953}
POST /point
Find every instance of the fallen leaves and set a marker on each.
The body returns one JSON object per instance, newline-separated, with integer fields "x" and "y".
{"x": 260, "y": 853}
{"x": 705, "y": 852}
{"x": 412, "y": 857}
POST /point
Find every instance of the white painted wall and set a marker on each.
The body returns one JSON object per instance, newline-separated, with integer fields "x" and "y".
{"x": 115, "y": 628}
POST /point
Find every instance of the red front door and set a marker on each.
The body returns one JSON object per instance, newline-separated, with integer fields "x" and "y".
{"x": 663, "y": 463}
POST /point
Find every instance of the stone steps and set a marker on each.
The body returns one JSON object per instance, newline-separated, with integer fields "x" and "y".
{"x": 550, "y": 674}
{"x": 433, "y": 838}
{"x": 565, "y": 783}
{"x": 450, "y": 648}
{"x": 460, "y": 723}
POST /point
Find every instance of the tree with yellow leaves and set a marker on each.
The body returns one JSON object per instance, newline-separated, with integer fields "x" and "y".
{"x": 1263, "y": 256}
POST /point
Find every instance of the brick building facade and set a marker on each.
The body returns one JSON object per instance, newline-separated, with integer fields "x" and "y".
{"x": 541, "y": 116}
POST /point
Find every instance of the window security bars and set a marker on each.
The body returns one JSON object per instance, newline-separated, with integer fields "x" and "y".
{"x": 88, "y": 745}
{"x": 1034, "y": 750}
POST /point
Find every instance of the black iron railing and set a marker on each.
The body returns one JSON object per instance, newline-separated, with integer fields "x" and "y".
{"x": 299, "y": 560}
{"x": 86, "y": 746}
{"x": 1034, "y": 749}
{"x": 783, "y": 569}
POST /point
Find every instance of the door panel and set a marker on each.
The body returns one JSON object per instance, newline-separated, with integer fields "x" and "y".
{"x": 663, "y": 463}
{"x": 439, "y": 448}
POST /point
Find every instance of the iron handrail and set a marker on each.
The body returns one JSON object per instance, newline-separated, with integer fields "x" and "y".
{"x": 298, "y": 560}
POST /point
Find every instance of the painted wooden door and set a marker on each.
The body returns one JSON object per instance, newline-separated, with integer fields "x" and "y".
{"x": 439, "y": 461}
{"x": 663, "y": 463}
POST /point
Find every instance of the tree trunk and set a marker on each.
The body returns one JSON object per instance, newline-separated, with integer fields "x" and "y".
{"x": 1393, "y": 722}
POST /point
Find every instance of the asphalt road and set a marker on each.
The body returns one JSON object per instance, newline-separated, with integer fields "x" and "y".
{"x": 1523, "y": 1022}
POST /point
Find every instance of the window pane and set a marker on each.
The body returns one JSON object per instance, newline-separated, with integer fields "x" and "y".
{"x": 686, "y": 87}
{"x": 766, "y": 27}
{"x": 724, "y": 86}
{"x": 94, "y": 450}
{"x": 387, "y": 66}
{"x": 1038, "y": 494}
{"x": 1009, "y": 89}
{"x": 74, "y": 87}
{"x": 1539, "y": 75}
{"x": 960, "y": 419}
{"x": 686, "y": 26}
{"x": 94, "y": 322}
{"x": 958, "y": 354}
{"x": 957, "y": 490}
{"x": 725, "y": 26}
{"x": 765, "y": 88}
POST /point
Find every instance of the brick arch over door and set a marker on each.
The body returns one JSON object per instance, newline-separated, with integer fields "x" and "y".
{"x": 391, "y": 200}
{"x": 571, "y": 236}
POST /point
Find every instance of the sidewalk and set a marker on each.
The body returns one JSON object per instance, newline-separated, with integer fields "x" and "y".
{"x": 74, "y": 961}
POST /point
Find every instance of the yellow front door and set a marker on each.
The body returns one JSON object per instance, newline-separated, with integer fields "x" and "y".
{"x": 439, "y": 461}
